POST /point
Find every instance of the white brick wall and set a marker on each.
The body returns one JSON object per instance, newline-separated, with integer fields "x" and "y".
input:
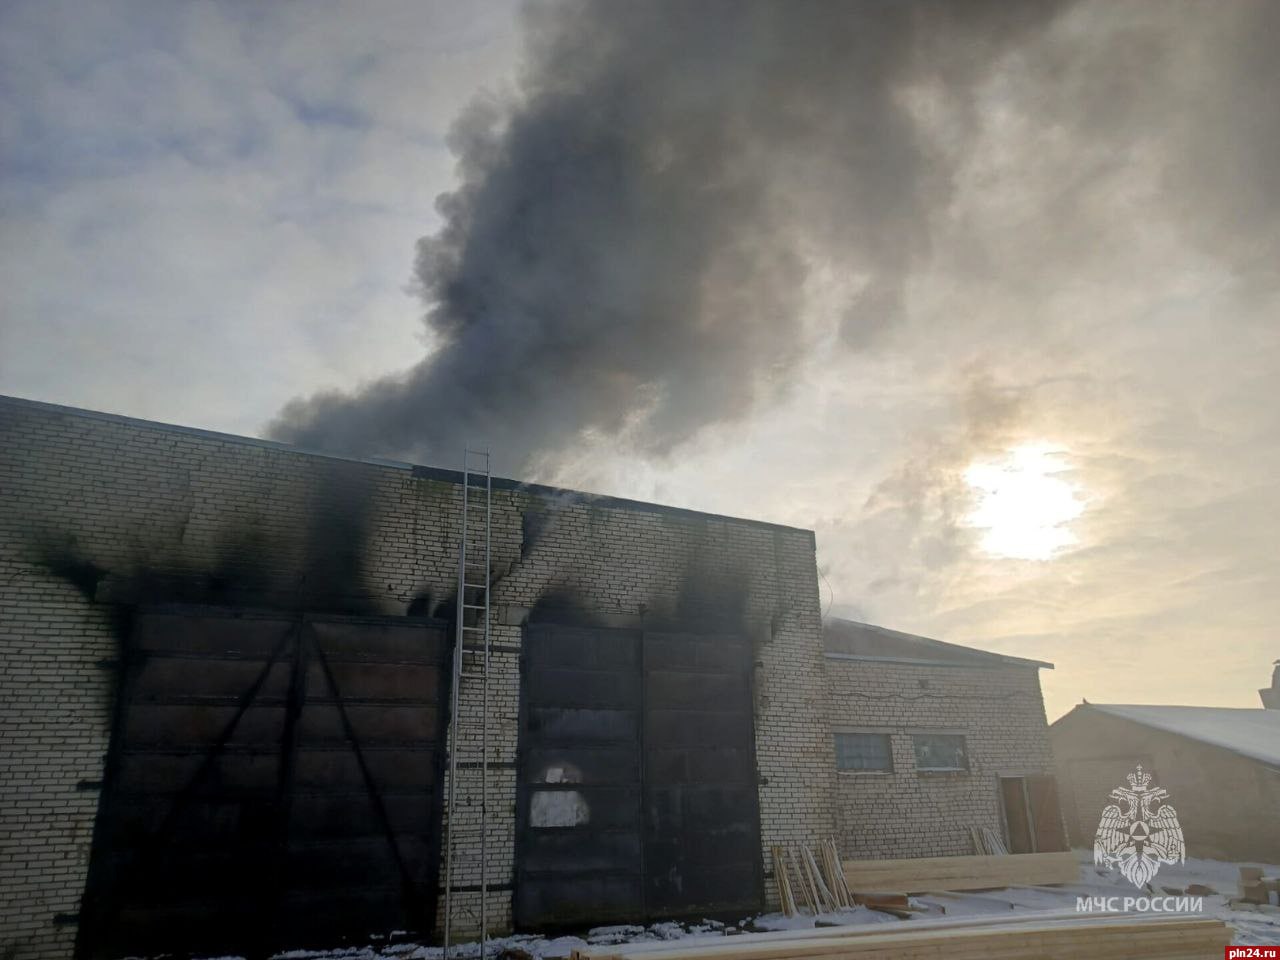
{"x": 54, "y": 703}
{"x": 909, "y": 813}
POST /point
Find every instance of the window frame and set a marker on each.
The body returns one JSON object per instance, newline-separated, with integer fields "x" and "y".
{"x": 917, "y": 735}
{"x": 859, "y": 771}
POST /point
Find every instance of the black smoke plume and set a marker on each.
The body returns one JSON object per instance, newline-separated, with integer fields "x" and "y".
{"x": 629, "y": 243}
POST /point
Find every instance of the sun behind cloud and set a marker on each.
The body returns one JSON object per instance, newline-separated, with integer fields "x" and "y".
{"x": 1022, "y": 504}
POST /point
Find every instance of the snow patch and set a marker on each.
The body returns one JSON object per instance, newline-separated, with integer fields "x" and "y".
{"x": 851, "y": 917}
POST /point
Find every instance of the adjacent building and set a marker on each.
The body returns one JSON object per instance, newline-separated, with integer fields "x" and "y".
{"x": 1220, "y": 766}
{"x": 934, "y": 739}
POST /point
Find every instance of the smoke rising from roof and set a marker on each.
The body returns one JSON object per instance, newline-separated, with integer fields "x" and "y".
{"x": 629, "y": 242}
{"x": 629, "y": 245}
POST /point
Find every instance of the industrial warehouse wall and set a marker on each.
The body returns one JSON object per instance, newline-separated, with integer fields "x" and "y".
{"x": 909, "y": 813}
{"x": 99, "y": 513}
{"x": 1226, "y": 803}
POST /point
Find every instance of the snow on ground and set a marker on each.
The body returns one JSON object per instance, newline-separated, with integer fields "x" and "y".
{"x": 845, "y": 918}
{"x": 1250, "y": 925}
{"x": 519, "y": 946}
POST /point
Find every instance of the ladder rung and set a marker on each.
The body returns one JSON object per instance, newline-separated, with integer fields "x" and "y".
{"x": 477, "y": 586}
{"x": 474, "y": 606}
{"x": 475, "y": 629}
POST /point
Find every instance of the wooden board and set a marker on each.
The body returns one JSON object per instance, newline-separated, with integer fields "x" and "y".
{"x": 784, "y": 943}
{"x": 1061, "y": 938}
{"x": 961, "y": 873}
{"x": 1046, "y": 814}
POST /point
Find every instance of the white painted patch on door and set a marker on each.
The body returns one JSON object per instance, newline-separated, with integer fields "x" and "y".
{"x": 558, "y": 808}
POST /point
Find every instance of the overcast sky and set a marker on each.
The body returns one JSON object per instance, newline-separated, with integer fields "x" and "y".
{"x": 208, "y": 209}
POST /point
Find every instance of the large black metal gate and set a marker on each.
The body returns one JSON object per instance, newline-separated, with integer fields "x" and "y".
{"x": 274, "y": 781}
{"x": 637, "y": 785}
{"x": 701, "y": 799}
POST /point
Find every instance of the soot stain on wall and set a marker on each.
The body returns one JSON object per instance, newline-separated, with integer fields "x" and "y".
{"x": 707, "y": 590}
{"x": 319, "y": 565}
{"x": 337, "y": 533}
{"x": 63, "y": 556}
{"x": 566, "y": 605}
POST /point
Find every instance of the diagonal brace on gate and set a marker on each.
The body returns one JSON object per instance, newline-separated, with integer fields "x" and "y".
{"x": 185, "y": 795}
{"x": 406, "y": 880}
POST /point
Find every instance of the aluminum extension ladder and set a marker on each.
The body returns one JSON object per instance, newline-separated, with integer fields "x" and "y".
{"x": 471, "y": 667}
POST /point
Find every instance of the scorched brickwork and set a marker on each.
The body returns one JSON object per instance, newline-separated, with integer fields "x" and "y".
{"x": 99, "y": 514}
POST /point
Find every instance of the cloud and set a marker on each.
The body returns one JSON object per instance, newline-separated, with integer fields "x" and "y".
{"x": 208, "y": 208}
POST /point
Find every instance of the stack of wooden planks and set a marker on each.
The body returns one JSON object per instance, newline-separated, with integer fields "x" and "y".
{"x": 987, "y": 841}
{"x": 819, "y": 879}
{"x": 1044, "y": 936}
{"x": 1255, "y": 888}
{"x": 925, "y": 874}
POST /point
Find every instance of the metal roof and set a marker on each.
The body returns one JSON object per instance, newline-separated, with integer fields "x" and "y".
{"x": 1250, "y": 732}
{"x": 852, "y": 640}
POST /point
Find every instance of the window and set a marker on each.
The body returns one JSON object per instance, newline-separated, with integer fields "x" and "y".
{"x": 940, "y": 751}
{"x": 863, "y": 752}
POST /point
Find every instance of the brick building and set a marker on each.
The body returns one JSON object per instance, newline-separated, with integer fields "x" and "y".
{"x": 1220, "y": 766}
{"x": 226, "y": 701}
{"x": 932, "y": 739}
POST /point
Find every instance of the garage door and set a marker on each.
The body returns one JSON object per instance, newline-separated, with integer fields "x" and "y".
{"x": 273, "y": 782}
{"x": 637, "y": 790}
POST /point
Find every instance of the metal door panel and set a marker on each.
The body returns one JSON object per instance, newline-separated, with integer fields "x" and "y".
{"x": 642, "y": 747}
{"x": 273, "y": 781}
